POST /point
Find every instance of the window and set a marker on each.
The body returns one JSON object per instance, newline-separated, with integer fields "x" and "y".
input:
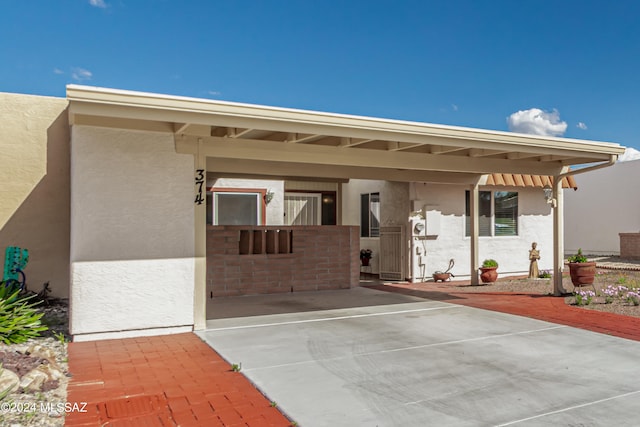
{"x": 310, "y": 208}
{"x": 484, "y": 213}
{"x": 370, "y": 215}
{"x": 235, "y": 207}
{"x": 302, "y": 209}
{"x": 506, "y": 213}
{"x": 496, "y": 218}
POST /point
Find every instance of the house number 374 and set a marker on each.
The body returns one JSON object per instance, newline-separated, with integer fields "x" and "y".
{"x": 199, "y": 185}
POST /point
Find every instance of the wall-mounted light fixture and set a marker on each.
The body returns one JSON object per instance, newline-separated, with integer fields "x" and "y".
{"x": 268, "y": 197}
{"x": 548, "y": 195}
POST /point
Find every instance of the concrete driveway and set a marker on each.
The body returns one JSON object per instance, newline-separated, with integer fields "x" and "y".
{"x": 385, "y": 359}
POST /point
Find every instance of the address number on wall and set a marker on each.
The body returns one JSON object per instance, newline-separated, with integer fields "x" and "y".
{"x": 199, "y": 186}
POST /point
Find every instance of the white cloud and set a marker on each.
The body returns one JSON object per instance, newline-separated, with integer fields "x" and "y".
{"x": 629, "y": 155}
{"x": 81, "y": 75}
{"x": 581, "y": 125}
{"x": 98, "y": 3}
{"x": 537, "y": 122}
{"x": 213, "y": 93}
{"x": 454, "y": 107}
{"x": 57, "y": 71}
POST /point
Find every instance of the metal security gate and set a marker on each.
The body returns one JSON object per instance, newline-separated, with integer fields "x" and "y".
{"x": 392, "y": 252}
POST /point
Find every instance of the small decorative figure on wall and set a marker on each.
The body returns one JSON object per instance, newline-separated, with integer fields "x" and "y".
{"x": 534, "y": 256}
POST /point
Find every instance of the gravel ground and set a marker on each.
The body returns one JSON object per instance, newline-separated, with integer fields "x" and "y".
{"x": 45, "y": 406}
{"x": 604, "y": 278}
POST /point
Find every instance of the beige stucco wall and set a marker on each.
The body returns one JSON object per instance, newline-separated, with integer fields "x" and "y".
{"x": 34, "y": 189}
{"x": 132, "y": 234}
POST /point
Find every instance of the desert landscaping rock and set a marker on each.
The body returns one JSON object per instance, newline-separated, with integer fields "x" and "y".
{"x": 9, "y": 381}
{"x": 40, "y": 372}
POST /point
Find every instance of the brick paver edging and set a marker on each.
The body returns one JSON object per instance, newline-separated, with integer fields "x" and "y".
{"x": 164, "y": 381}
{"x": 541, "y": 307}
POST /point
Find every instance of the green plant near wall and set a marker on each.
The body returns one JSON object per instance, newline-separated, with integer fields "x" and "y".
{"x": 489, "y": 263}
{"x": 9, "y": 288}
{"x": 19, "y": 319}
{"x": 578, "y": 258}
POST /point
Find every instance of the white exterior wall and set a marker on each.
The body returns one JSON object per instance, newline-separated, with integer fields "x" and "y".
{"x": 605, "y": 204}
{"x": 275, "y": 208}
{"x": 535, "y": 224}
{"x": 394, "y": 209}
{"x": 132, "y": 234}
{"x": 512, "y": 252}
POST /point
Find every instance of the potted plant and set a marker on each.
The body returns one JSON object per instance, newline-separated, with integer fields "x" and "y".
{"x": 489, "y": 271}
{"x": 365, "y": 256}
{"x": 581, "y": 270}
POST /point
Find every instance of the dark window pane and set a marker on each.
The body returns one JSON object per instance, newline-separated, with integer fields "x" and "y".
{"x": 506, "y": 213}
{"x": 329, "y": 208}
{"x": 364, "y": 215}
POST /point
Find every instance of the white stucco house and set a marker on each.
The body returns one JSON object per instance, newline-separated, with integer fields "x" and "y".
{"x": 144, "y": 255}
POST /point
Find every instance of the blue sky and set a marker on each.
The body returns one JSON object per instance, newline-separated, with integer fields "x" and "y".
{"x": 569, "y": 67}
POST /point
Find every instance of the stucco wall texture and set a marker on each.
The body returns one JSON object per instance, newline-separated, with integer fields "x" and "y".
{"x": 34, "y": 189}
{"x": 605, "y": 205}
{"x": 132, "y": 263}
{"x": 535, "y": 224}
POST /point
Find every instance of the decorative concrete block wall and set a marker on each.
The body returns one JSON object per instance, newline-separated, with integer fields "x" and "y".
{"x": 630, "y": 245}
{"x": 246, "y": 260}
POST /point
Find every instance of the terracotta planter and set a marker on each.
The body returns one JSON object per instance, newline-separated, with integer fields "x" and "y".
{"x": 488, "y": 274}
{"x": 441, "y": 276}
{"x": 582, "y": 273}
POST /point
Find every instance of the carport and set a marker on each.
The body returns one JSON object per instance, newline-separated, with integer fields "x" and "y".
{"x": 261, "y": 141}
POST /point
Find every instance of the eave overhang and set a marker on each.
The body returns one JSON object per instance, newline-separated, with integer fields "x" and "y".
{"x": 308, "y": 142}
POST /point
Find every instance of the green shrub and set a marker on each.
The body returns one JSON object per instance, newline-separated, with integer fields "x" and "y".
{"x": 8, "y": 288}
{"x": 578, "y": 257}
{"x": 490, "y": 263}
{"x": 19, "y": 320}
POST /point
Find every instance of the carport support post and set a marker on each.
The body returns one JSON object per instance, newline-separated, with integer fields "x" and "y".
{"x": 200, "y": 255}
{"x": 558, "y": 237}
{"x": 473, "y": 207}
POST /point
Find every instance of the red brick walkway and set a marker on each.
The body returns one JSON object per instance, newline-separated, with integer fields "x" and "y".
{"x": 161, "y": 381}
{"x": 542, "y": 307}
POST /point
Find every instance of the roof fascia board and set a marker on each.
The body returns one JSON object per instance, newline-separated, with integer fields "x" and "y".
{"x": 82, "y": 110}
{"x": 204, "y": 109}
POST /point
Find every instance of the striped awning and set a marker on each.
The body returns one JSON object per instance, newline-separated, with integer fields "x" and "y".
{"x": 523, "y": 180}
